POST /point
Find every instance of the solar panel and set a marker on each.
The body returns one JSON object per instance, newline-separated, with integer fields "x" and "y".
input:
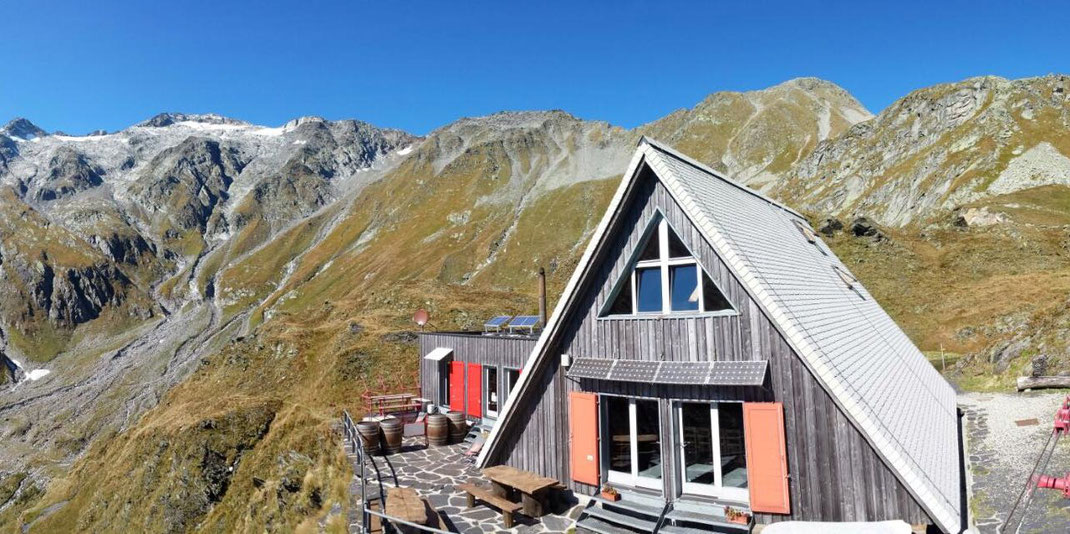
{"x": 683, "y": 373}
{"x": 525, "y": 321}
{"x": 634, "y": 371}
{"x": 596, "y": 368}
{"x": 498, "y": 321}
{"x": 738, "y": 373}
{"x": 679, "y": 373}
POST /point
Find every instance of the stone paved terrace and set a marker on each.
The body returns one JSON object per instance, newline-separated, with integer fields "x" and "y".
{"x": 434, "y": 473}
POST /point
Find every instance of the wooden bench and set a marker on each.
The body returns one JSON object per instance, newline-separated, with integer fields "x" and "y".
{"x": 487, "y": 495}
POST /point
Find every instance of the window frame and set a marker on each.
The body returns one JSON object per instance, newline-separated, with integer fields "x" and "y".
{"x": 490, "y": 387}
{"x": 509, "y": 386}
{"x": 659, "y": 229}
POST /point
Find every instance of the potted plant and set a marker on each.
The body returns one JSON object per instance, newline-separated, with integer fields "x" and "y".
{"x": 610, "y": 494}
{"x": 738, "y": 517}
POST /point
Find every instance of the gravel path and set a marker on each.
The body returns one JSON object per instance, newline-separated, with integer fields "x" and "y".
{"x": 1003, "y": 444}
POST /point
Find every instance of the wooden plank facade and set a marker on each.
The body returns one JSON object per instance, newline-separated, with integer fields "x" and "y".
{"x": 835, "y": 474}
{"x": 504, "y": 352}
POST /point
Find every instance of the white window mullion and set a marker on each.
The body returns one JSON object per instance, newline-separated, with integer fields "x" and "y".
{"x": 715, "y": 430}
{"x": 633, "y": 438}
{"x": 663, "y": 257}
{"x": 699, "y": 274}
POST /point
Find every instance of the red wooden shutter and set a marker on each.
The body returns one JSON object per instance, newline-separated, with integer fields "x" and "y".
{"x": 583, "y": 437}
{"x": 457, "y": 386}
{"x": 767, "y": 459}
{"x": 475, "y": 390}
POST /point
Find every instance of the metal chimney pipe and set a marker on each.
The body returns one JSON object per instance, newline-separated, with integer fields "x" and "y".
{"x": 542, "y": 296}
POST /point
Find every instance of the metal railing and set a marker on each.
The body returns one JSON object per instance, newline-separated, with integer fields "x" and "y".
{"x": 357, "y": 446}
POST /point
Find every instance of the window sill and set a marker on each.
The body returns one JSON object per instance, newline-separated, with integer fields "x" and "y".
{"x": 682, "y": 315}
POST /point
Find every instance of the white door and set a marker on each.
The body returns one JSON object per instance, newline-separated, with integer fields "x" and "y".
{"x": 633, "y": 434}
{"x": 713, "y": 458}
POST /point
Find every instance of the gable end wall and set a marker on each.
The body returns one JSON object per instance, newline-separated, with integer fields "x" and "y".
{"x": 835, "y": 474}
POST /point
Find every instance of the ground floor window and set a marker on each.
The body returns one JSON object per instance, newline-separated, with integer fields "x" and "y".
{"x": 443, "y": 383}
{"x": 490, "y": 390}
{"x": 511, "y": 378}
{"x": 713, "y": 456}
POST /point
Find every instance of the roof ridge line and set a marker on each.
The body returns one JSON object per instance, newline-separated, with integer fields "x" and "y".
{"x": 654, "y": 143}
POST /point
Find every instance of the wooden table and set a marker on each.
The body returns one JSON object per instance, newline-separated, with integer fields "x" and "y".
{"x": 406, "y": 504}
{"x": 401, "y": 402}
{"x": 532, "y": 488}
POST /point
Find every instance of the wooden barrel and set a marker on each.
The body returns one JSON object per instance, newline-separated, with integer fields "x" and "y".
{"x": 458, "y": 426}
{"x": 438, "y": 430}
{"x": 392, "y": 432}
{"x": 369, "y": 435}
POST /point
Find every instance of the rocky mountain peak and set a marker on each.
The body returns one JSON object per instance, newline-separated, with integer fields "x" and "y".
{"x": 167, "y": 119}
{"x": 757, "y": 136}
{"x": 22, "y": 129}
{"x": 293, "y": 124}
{"x": 512, "y": 120}
{"x": 938, "y": 148}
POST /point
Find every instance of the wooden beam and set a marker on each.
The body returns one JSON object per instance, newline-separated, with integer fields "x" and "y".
{"x": 1039, "y": 382}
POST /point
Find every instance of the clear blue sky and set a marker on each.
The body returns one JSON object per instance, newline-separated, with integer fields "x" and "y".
{"x": 77, "y": 66}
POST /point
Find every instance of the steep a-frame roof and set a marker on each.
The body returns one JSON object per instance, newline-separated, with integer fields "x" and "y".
{"x": 869, "y": 367}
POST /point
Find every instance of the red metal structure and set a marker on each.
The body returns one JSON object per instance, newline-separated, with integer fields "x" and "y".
{"x": 1060, "y": 427}
{"x": 1062, "y": 484}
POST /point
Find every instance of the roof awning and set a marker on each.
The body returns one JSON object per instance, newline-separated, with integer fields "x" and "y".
{"x": 682, "y": 373}
{"x": 439, "y": 354}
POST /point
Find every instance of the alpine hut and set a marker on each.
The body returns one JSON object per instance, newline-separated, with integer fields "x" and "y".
{"x": 711, "y": 357}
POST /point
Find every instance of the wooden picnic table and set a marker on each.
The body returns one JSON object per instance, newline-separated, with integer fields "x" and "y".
{"x": 533, "y": 488}
{"x": 406, "y": 504}
{"x": 398, "y": 402}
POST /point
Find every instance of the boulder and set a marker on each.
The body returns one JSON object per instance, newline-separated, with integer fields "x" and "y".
{"x": 863, "y": 227}
{"x": 1040, "y": 365}
{"x": 978, "y": 217}
{"x": 830, "y": 226}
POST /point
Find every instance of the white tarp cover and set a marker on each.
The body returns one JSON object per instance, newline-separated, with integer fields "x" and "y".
{"x": 804, "y": 527}
{"x": 439, "y": 354}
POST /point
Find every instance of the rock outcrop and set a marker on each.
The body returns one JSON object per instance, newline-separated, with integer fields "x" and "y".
{"x": 184, "y": 184}
{"x": 68, "y": 172}
{"x": 939, "y": 148}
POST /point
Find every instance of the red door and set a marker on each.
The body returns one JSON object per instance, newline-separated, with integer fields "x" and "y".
{"x": 475, "y": 390}
{"x": 583, "y": 437}
{"x": 457, "y": 386}
{"x": 767, "y": 459}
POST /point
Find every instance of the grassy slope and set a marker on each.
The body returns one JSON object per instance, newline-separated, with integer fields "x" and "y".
{"x": 334, "y": 323}
{"x": 327, "y": 347}
{"x": 30, "y": 242}
{"x": 961, "y": 290}
{"x": 333, "y": 335}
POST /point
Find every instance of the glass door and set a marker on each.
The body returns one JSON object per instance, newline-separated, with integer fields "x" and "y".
{"x": 633, "y": 427}
{"x": 491, "y": 390}
{"x": 713, "y": 458}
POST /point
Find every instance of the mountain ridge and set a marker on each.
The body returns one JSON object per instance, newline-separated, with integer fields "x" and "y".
{"x": 274, "y": 268}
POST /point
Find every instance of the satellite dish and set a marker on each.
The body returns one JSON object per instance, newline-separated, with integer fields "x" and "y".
{"x": 421, "y": 317}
